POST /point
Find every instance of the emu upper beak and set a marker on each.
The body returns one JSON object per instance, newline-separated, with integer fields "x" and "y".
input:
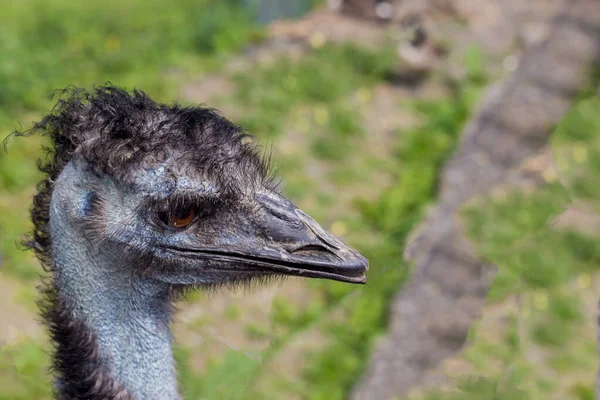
{"x": 278, "y": 238}
{"x": 295, "y": 244}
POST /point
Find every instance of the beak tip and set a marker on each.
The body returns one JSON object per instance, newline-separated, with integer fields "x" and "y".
{"x": 362, "y": 260}
{"x": 360, "y": 267}
{"x": 366, "y": 268}
{"x": 365, "y": 262}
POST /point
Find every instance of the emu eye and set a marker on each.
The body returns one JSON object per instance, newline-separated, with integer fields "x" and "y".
{"x": 179, "y": 217}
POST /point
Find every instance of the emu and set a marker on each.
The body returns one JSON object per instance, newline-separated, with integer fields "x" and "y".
{"x": 140, "y": 203}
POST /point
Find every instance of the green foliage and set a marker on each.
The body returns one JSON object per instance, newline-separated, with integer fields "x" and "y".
{"x": 335, "y": 142}
{"x": 226, "y": 379}
{"x": 475, "y": 388}
{"x": 224, "y": 27}
{"x": 513, "y": 229}
{"x": 23, "y": 372}
{"x": 576, "y": 144}
{"x": 233, "y": 312}
{"x": 321, "y": 77}
{"x": 582, "y": 392}
{"x": 256, "y": 331}
{"x": 545, "y": 265}
{"x": 288, "y": 316}
{"x": 17, "y": 179}
{"x": 422, "y": 152}
{"x": 420, "y": 155}
{"x": 52, "y": 44}
{"x": 474, "y": 63}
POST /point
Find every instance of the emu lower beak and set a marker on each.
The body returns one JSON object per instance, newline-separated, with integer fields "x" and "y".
{"x": 279, "y": 239}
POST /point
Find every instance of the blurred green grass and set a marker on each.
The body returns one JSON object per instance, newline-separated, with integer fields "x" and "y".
{"x": 156, "y": 46}
{"x": 547, "y": 348}
{"x": 52, "y": 44}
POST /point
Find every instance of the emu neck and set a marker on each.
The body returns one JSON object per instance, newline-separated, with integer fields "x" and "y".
{"x": 128, "y": 317}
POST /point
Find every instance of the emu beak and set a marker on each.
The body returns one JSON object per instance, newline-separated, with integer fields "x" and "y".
{"x": 276, "y": 238}
{"x": 295, "y": 244}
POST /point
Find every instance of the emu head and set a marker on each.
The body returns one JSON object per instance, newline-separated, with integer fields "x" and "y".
{"x": 180, "y": 195}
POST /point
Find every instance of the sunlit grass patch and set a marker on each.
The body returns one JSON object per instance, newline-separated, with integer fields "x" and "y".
{"x": 338, "y": 129}
{"x": 576, "y": 147}
{"x": 49, "y": 45}
{"x": 549, "y": 341}
{"x": 323, "y": 76}
{"x": 226, "y": 379}
{"x": 477, "y": 388}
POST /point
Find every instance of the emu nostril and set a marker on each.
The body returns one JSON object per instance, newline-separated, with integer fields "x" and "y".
{"x": 310, "y": 247}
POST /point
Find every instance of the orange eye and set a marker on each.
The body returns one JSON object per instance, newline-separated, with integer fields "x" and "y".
{"x": 177, "y": 217}
{"x": 182, "y": 218}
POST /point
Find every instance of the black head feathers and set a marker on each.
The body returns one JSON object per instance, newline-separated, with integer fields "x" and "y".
{"x": 116, "y": 132}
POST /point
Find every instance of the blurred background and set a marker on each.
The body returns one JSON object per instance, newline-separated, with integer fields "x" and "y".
{"x": 363, "y": 103}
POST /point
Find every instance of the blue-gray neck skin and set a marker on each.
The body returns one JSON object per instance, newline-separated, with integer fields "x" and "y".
{"x": 128, "y": 315}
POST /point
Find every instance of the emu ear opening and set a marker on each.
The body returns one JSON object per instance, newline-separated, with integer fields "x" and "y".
{"x": 88, "y": 204}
